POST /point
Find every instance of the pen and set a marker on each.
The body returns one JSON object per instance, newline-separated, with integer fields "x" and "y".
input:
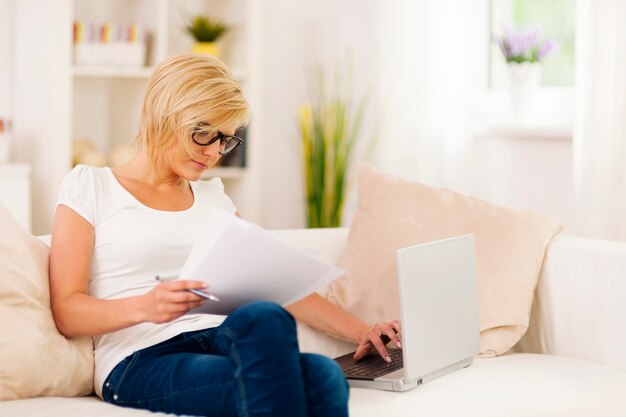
{"x": 204, "y": 294}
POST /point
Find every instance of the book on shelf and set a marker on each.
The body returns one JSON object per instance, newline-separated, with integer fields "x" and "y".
{"x": 109, "y": 44}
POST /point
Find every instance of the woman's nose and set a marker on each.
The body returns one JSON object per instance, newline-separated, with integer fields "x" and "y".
{"x": 212, "y": 150}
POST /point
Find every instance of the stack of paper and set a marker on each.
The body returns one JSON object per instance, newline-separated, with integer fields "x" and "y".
{"x": 242, "y": 262}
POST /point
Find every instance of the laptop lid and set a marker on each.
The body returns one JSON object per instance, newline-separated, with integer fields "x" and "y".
{"x": 438, "y": 304}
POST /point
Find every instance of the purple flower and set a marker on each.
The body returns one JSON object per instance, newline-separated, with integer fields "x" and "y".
{"x": 547, "y": 48}
{"x": 524, "y": 45}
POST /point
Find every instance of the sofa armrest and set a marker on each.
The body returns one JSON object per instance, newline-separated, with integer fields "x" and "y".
{"x": 580, "y": 302}
{"x": 313, "y": 341}
{"x": 45, "y": 239}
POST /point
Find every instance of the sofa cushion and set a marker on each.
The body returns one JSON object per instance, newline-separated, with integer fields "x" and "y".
{"x": 518, "y": 385}
{"x": 70, "y": 407}
{"x": 393, "y": 213}
{"x": 514, "y": 385}
{"x": 35, "y": 360}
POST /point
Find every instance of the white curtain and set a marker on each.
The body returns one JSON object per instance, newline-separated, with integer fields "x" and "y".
{"x": 600, "y": 130}
{"x": 432, "y": 67}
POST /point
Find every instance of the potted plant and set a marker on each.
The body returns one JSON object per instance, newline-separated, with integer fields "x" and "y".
{"x": 206, "y": 31}
{"x": 524, "y": 50}
{"x": 329, "y": 127}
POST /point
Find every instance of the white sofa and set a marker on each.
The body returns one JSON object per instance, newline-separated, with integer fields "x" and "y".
{"x": 572, "y": 361}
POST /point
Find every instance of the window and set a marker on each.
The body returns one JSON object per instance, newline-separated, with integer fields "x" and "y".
{"x": 554, "y": 18}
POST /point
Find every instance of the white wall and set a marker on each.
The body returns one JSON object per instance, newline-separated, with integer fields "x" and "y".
{"x": 298, "y": 34}
{"x": 6, "y": 57}
{"x": 394, "y": 45}
{"x": 426, "y": 61}
{"x": 41, "y": 99}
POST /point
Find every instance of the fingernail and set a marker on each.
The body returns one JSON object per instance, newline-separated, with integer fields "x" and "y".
{"x": 399, "y": 344}
{"x": 205, "y": 285}
{"x": 388, "y": 359}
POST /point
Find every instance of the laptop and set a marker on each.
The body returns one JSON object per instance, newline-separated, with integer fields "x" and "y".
{"x": 439, "y": 316}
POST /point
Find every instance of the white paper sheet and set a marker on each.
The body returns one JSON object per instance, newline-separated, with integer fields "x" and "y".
{"x": 242, "y": 262}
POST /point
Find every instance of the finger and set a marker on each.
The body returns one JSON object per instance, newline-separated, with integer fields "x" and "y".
{"x": 362, "y": 351}
{"x": 194, "y": 304}
{"x": 186, "y": 284}
{"x": 195, "y": 284}
{"x": 184, "y": 297}
{"x": 397, "y": 327}
{"x": 185, "y": 307}
{"x": 167, "y": 296}
{"x": 379, "y": 346}
{"x": 390, "y": 332}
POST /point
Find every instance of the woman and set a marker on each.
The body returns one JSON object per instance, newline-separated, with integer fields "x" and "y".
{"x": 116, "y": 229}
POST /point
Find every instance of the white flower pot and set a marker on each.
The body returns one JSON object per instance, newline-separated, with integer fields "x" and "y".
{"x": 524, "y": 80}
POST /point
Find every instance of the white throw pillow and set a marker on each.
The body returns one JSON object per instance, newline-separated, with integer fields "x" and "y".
{"x": 393, "y": 213}
{"x": 35, "y": 360}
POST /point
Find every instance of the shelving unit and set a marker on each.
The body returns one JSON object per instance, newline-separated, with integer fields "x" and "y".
{"x": 106, "y": 100}
{"x": 56, "y": 101}
{"x": 141, "y": 73}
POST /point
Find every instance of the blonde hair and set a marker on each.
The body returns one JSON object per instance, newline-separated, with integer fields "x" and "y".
{"x": 184, "y": 91}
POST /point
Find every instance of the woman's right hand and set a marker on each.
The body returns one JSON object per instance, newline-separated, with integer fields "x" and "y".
{"x": 169, "y": 300}
{"x": 373, "y": 339}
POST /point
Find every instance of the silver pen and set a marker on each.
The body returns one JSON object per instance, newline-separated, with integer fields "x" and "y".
{"x": 203, "y": 294}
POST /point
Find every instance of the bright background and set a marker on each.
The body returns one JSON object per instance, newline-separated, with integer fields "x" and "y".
{"x": 436, "y": 88}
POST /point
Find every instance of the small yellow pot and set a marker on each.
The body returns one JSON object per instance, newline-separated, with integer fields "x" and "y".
{"x": 208, "y": 48}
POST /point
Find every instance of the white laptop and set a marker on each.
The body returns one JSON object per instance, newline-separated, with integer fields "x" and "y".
{"x": 439, "y": 315}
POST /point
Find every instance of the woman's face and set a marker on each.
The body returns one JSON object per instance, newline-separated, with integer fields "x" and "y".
{"x": 203, "y": 158}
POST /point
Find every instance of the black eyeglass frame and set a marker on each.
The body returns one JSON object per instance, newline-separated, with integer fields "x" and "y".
{"x": 221, "y": 137}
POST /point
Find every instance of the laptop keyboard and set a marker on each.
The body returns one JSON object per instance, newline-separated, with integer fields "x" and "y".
{"x": 374, "y": 366}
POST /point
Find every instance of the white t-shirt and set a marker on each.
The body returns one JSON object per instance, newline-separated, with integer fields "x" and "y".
{"x": 133, "y": 243}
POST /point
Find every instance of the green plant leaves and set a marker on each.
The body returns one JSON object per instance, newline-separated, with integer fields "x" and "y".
{"x": 329, "y": 129}
{"x": 206, "y": 29}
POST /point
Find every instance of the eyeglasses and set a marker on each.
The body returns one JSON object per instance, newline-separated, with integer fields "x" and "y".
{"x": 204, "y": 137}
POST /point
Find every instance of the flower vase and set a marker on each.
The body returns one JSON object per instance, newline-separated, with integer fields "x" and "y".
{"x": 524, "y": 80}
{"x": 207, "y": 48}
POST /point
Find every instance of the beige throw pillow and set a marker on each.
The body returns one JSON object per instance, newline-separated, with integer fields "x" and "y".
{"x": 393, "y": 213}
{"x": 35, "y": 360}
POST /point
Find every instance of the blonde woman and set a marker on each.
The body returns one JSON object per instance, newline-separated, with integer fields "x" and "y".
{"x": 116, "y": 229}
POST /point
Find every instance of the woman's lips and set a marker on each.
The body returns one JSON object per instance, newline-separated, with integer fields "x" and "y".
{"x": 200, "y": 164}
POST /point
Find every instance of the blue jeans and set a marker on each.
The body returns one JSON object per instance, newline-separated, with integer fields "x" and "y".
{"x": 249, "y": 366}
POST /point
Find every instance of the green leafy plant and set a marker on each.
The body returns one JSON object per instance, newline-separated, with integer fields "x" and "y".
{"x": 206, "y": 29}
{"x": 329, "y": 126}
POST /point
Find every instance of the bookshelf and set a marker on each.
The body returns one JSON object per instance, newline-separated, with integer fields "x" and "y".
{"x": 139, "y": 73}
{"x": 55, "y": 101}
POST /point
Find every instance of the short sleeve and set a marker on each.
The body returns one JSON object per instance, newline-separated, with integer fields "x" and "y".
{"x": 80, "y": 192}
{"x": 218, "y": 196}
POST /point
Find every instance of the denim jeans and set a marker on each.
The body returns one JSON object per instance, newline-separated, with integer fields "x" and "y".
{"x": 248, "y": 366}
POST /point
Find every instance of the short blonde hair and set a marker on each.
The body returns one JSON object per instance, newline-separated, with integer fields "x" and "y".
{"x": 184, "y": 91}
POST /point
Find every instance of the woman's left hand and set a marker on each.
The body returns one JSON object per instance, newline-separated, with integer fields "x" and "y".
{"x": 374, "y": 339}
